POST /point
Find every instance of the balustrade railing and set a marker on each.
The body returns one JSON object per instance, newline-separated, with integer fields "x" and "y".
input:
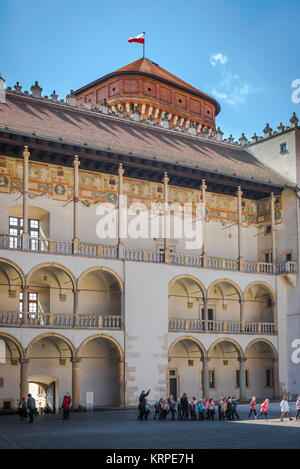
{"x": 221, "y": 263}
{"x": 60, "y": 320}
{"x": 87, "y": 249}
{"x": 10, "y": 242}
{"x": 260, "y": 267}
{"x": 229, "y": 327}
{"x": 10, "y": 318}
{"x": 145, "y": 255}
{"x": 186, "y": 259}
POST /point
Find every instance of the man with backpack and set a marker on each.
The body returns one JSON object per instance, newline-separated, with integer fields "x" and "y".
{"x": 30, "y": 407}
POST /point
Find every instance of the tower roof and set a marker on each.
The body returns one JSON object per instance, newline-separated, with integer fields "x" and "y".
{"x": 146, "y": 67}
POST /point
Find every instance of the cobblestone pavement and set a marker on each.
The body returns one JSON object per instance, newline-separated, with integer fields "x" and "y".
{"x": 119, "y": 429}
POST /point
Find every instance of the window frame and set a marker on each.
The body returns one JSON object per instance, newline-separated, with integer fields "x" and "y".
{"x": 33, "y": 231}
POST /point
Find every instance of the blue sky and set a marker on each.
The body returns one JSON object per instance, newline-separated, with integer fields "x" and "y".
{"x": 245, "y": 53}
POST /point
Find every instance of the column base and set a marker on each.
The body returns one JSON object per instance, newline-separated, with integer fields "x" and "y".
{"x": 76, "y": 245}
{"x": 204, "y": 259}
{"x": 25, "y": 242}
{"x": 167, "y": 256}
{"x": 121, "y": 250}
{"x": 241, "y": 265}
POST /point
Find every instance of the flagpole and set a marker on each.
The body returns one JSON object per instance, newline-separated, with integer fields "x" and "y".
{"x": 144, "y": 44}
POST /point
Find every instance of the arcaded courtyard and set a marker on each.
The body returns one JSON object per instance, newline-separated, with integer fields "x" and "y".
{"x": 120, "y": 429}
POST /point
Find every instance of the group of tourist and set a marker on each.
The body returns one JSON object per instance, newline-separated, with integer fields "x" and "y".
{"x": 28, "y": 408}
{"x": 205, "y": 409}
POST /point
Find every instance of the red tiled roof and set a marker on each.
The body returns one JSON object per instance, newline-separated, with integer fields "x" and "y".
{"x": 146, "y": 66}
{"x": 46, "y": 119}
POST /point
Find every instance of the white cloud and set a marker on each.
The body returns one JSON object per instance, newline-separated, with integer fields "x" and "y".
{"x": 218, "y": 58}
{"x": 231, "y": 88}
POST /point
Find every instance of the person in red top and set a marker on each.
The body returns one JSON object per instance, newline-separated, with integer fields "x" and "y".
{"x": 263, "y": 409}
{"x": 66, "y": 405}
{"x": 252, "y": 407}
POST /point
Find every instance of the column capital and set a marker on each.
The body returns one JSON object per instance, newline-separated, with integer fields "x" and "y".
{"x": 76, "y": 291}
{"x": 165, "y": 178}
{"x": 272, "y": 196}
{"x": 24, "y": 361}
{"x": 239, "y": 191}
{"x": 26, "y": 152}
{"x": 242, "y": 302}
{"x": 205, "y": 359}
{"x": 120, "y": 170}
{"x": 75, "y": 361}
{"x": 203, "y": 185}
{"x": 76, "y": 161}
{"x": 242, "y": 359}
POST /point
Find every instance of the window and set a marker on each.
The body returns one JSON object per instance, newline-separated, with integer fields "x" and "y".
{"x": 247, "y": 378}
{"x": 32, "y": 302}
{"x": 268, "y": 257}
{"x": 283, "y": 147}
{"x": 269, "y": 229}
{"x": 34, "y": 233}
{"x": 211, "y": 378}
{"x": 289, "y": 256}
{"x": 237, "y": 378}
{"x": 16, "y": 229}
{"x": 269, "y": 377}
{"x": 210, "y": 314}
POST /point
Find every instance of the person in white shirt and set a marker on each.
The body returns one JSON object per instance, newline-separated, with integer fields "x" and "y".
{"x": 285, "y": 408}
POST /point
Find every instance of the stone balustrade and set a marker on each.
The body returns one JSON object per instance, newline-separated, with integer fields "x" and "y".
{"x": 10, "y": 318}
{"x": 61, "y": 320}
{"x": 221, "y": 263}
{"x": 229, "y": 327}
{"x": 105, "y": 321}
{"x": 147, "y": 255}
{"x": 10, "y": 242}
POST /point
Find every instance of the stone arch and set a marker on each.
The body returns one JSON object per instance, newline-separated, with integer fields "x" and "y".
{"x": 190, "y": 277}
{"x": 51, "y": 335}
{"x": 263, "y": 284}
{"x": 186, "y": 358}
{"x": 231, "y": 282}
{"x": 18, "y": 344}
{"x": 103, "y": 269}
{"x": 16, "y": 267}
{"x": 52, "y": 264}
{"x": 235, "y": 344}
{"x": 265, "y": 341}
{"x": 102, "y": 365}
{"x": 260, "y": 303}
{"x": 100, "y": 336}
{"x": 192, "y": 339}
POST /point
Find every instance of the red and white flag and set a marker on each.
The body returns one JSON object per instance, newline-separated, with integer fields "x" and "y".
{"x": 140, "y": 39}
